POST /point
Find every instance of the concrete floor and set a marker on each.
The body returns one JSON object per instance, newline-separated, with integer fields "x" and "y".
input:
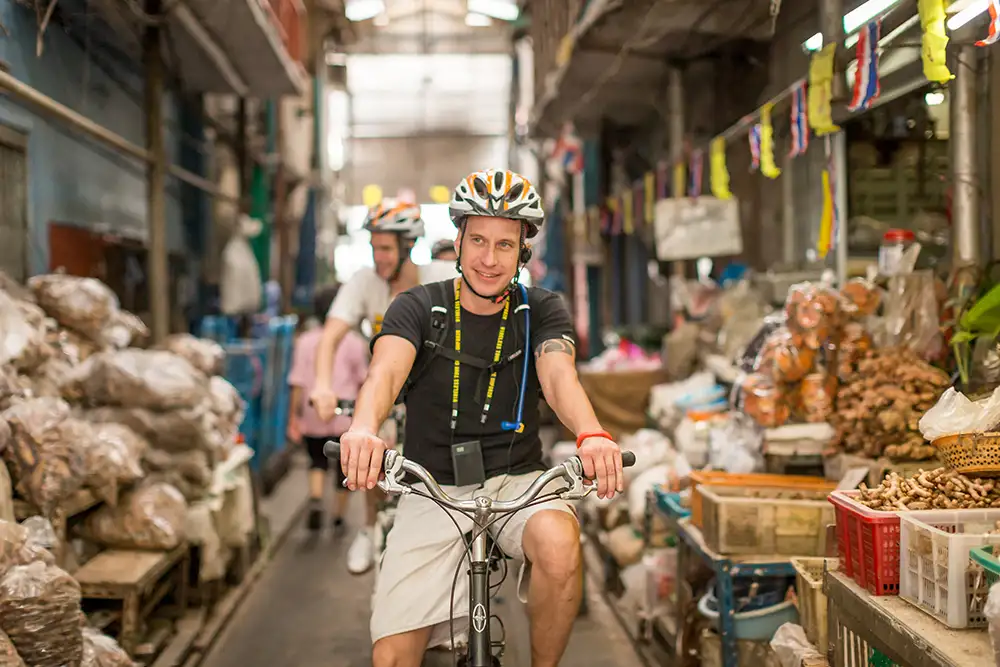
{"x": 308, "y": 611}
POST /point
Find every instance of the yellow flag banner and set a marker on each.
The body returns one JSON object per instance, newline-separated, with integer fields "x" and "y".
{"x": 826, "y": 218}
{"x": 934, "y": 40}
{"x": 717, "y": 166}
{"x": 649, "y": 190}
{"x": 680, "y": 181}
{"x": 628, "y": 221}
{"x": 767, "y": 166}
{"x": 820, "y": 92}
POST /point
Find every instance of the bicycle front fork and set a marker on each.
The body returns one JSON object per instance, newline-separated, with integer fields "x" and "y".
{"x": 480, "y": 650}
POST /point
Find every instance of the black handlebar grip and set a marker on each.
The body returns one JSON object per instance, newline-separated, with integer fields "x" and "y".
{"x": 332, "y": 450}
{"x": 628, "y": 459}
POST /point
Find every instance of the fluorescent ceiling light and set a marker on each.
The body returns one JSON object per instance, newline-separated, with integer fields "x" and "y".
{"x": 853, "y": 20}
{"x": 362, "y": 10}
{"x": 971, "y": 11}
{"x": 934, "y": 98}
{"x": 475, "y": 20}
{"x": 503, "y": 10}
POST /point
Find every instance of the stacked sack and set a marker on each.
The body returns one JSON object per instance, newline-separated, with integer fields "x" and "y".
{"x": 41, "y": 623}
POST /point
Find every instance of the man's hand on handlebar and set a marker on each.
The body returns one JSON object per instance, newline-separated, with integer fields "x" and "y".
{"x": 602, "y": 463}
{"x": 324, "y": 402}
{"x": 361, "y": 457}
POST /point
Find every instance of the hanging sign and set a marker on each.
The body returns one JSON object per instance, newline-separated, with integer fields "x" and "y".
{"x": 691, "y": 228}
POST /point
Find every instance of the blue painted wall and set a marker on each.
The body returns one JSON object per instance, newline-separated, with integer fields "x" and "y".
{"x": 71, "y": 178}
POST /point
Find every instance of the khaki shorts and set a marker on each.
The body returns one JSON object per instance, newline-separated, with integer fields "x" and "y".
{"x": 424, "y": 550}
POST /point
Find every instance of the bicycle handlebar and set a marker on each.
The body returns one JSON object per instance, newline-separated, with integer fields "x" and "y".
{"x": 395, "y": 463}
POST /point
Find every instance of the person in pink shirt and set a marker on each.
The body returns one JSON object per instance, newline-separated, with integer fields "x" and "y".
{"x": 350, "y": 366}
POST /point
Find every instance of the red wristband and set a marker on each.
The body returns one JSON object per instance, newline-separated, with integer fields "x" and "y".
{"x": 595, "y": 434}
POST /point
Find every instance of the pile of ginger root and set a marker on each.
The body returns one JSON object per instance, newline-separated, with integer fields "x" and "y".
{"x": 936, "y": 489}
{"x": 879, "y": 406}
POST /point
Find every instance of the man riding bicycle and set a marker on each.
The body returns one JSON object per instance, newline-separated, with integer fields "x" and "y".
{"x": 471, "y": 427}
{"x": 444, "y": 250}
{"x": 394, "y": 229}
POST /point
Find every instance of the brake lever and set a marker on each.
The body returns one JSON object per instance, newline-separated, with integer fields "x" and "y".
{"x": 393, "y": 470}
{"x": 574, "y": 470}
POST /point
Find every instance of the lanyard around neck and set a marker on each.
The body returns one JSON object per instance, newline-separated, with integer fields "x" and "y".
{"x": 458, "y": 365}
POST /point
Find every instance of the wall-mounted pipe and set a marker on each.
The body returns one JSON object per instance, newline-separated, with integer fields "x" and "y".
{"x": 964, "y": 161}
{"x": 25, "y": 94}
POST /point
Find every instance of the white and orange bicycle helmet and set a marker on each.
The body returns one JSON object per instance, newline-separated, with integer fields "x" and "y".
{"x": 401, "y": 218}
{"x": 498, "y": 193}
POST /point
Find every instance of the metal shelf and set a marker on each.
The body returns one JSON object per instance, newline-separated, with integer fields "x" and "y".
{"x": 905, "y": 634}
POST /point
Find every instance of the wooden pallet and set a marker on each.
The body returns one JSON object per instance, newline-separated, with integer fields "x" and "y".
{"x": 140, "y": 580}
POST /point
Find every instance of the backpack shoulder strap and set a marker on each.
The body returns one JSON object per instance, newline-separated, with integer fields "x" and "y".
{"x": 434, "y": 297}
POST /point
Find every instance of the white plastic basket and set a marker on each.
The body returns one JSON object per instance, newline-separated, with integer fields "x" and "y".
{"x": 934, "y": 568}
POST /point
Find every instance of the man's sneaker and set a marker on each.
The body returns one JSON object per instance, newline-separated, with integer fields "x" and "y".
{"x": 360, "y": 556}
{"x": 314, "y": 519}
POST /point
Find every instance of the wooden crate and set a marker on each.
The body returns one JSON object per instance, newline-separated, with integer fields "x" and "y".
{"x": 765, "y": 521}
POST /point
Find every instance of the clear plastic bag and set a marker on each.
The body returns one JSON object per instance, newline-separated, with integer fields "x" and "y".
{"x": 134, "y": 378}
{"x": 20, "y": 545}
{"x": 174, "y": 431}
{"x": 84, "y": 304}
{"x": 782, "y": 359}
{"x": 955, "y": 413}
{"x": 862, "y": 297}
{"x": 151, "y": 516}
{"x": 111, "y": 458}
{"x": 46, "y": 465}
{"x": 99, "y": 650}
{"x": 812, "y": 314}
{"x": 204, "y": 354}
{"x": 40, "y": 612}
{"x": 911, "y": 316}
{"x": 792, "y": 647}
{"x": 764, "y": 401}
{"x": 22, "y": 340}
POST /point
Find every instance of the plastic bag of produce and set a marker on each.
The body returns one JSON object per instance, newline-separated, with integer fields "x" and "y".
{"x": 111, "y": 458}
{"x": 765, "y": 401}
{"x": 151, "y": 516}
{"x": 955, "y": 413}
{"x": 189, "y": 472}
{"x": 46, "y": 464}
{"x": 782, "y": 360}
{"x": 204, "y": 354}
{"x": 174, "y": 431}
{"x": 22, "y": 341}
{"x": 133, "y": 378}
{"x": 84, "y": 304}
{"x": 99, "y": 650}
{"x": 200, "y": 530}
{"x": 6, "y": 489}
{"x": 19, "y": 545}
{"x": 812, "y": 314}
{"x": 70, "y": 346}
{"x": 40, "y": 612}
{"x": 226, "y": 401}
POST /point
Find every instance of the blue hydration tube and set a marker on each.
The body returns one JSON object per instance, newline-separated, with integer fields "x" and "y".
{"x": 518, "y": 426}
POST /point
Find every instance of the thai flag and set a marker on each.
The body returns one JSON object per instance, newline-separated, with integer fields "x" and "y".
{"x": 994, "y": 35}
{"x": 866, "y": 87}
{"x": 569, "y": 150}
{"x": 695, "y": 166}
{"x": 800, "y": 121}
{"x": 755, "y": 147}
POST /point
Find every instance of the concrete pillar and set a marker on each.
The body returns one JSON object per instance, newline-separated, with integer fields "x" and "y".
{"x": 157, "y": 260}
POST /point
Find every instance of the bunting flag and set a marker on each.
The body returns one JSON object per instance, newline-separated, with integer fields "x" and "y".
{"x": 934, "y": 40}
{"x": 994, "y": 36}
{"x": 649, "y": 190}
{"x": 696, "y": 167}
{"x": 679, "y": 180}
{"x": 820, "y": 91}
{"x": 830, "y": 218}
{"x": 720, "y": 174}
{"x": 628, "y": 223}
{"x": 866, "y": 85}
{"x": 800, "y": 121}
{"x": 767, "y": 165}
{"x": 754, "y": 147}
{"x": 569, "y": 150}
{"x": 662, "y": 173}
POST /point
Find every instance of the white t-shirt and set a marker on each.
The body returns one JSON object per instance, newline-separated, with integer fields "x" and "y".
{"x": 365, "y": 296}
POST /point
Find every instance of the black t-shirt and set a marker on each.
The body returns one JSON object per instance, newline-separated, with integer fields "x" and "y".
{"x": 428, "y": 402}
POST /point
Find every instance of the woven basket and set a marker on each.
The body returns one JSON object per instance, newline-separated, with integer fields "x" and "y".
{"x": 971, "y": 453}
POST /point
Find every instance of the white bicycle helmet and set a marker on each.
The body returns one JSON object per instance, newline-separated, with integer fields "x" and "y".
{"x": 402, "y": 219}
{"x": 498, "y": 193}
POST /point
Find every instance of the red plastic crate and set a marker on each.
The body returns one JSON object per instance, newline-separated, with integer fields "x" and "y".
{"x": 868, "y": 544}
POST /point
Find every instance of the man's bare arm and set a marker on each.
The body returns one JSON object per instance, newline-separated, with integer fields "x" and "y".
{"x": 334, "y": 331}
{"x": 555, "y": 361}
{"x": 391, "y": 362}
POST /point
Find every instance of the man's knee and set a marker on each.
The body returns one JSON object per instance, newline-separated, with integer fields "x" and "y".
{"x": 402, "y": 650}
{"x": 552, "y": 544}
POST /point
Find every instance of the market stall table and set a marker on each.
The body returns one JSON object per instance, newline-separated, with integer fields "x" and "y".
{"x": 859, "y": 621}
